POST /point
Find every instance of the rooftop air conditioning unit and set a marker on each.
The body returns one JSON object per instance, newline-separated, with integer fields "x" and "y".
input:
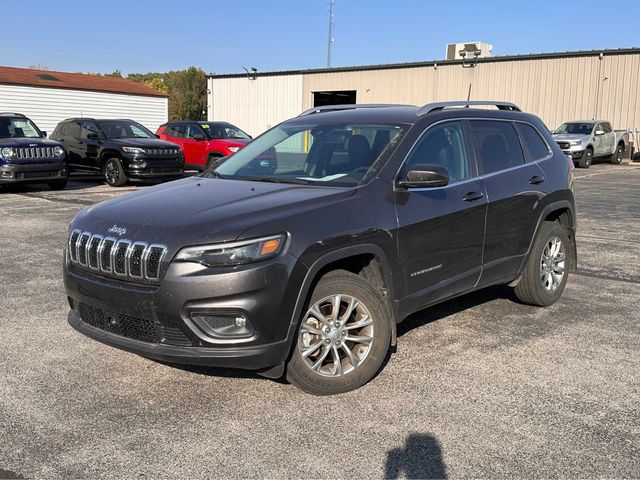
{"x": 468, "y": 50}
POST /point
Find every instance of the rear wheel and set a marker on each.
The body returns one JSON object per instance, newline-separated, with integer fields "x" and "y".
{"x": 546, "y": 272}
{"x": 343, "y": 338}
{"x": 587, "y": 157}
{"x": 114, "y": 173}
{"x": 616, "y": 158}
{"x": 58, "y": 185}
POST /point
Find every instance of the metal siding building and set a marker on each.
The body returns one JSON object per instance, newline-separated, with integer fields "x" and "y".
{"x": 556, "y": 87}
{"x": 50, "y": 97}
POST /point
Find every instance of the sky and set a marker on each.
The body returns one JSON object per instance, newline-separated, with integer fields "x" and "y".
{"x": 137, "y": 36}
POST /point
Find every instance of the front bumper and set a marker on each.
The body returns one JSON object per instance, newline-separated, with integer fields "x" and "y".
{"x": 158, "y": 321}
{"x": 575, "y": 152}
{"x": 154, "y": 167}
{"x": 33, "y": 172}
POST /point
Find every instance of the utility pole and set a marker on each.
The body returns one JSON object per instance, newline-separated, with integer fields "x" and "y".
{"x": 330, "y": 42}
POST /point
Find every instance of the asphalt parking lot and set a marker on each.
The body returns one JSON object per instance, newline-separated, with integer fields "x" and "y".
{"x": 480, "y": 386}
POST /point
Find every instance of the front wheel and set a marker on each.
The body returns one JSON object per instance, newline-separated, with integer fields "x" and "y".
{"x": 343, "y": 338}
{"x": 616, "y": 158}
{"x": 114, "y": 173}
{"x": 546, "y": 272}
{"x": 587, "y": 157}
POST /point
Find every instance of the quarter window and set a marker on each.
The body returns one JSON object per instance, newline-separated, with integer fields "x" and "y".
{"x": 534, "y": 145}
{"x": 444, "y": 146}
{"x": 498, "y": 145}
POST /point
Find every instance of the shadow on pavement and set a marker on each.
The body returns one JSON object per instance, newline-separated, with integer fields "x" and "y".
{"x": 456, "y": 305}
{"x": 421, "y": 457}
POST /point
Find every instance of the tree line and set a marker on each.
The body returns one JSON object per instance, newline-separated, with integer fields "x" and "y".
{"x": 187, "y": 90}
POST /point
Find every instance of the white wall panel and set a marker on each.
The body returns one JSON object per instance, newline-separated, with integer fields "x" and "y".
{"x": 255, "y": 105}
{"x": 48, "y": 106}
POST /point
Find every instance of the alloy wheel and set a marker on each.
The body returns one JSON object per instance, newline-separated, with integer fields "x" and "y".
{"x": 552, "y": 264}
{"x": 111, "y": 173}
{"x": 336, "y": 335}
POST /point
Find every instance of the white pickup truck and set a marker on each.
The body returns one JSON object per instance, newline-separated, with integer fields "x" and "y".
{"x": 585, "y": 140}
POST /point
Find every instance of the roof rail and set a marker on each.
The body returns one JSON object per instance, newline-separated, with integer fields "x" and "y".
{"x": 12, "y": 113}
{"x": 351, "y": 106}
{"x": 437, "y": 106}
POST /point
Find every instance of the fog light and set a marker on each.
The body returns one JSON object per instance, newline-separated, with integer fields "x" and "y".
{"x": 223, "y": 324}
{"x": 6, "y": 174}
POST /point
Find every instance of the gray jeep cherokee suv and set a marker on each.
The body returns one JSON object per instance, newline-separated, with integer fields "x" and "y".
{"x": 300, "y": 253}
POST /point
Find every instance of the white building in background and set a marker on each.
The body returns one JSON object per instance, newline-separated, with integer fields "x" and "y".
{"x": 49, "y": 97}
{"x": 555, "y": 86}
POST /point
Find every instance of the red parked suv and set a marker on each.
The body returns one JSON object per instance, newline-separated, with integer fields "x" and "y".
{"x": 203, "y": 142}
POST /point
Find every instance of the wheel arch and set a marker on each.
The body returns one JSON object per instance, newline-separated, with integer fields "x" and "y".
{"x": 108, "y": 153}
{"x": 366, "y": 260}
{"x": 563, "y": 212}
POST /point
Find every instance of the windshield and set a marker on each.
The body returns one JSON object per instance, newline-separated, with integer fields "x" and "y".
{"x": 216, "y": 131}
{"x": 16, "y": 127}
{"x": 331, "y": 154}
{"x": 124, "y": 129}
{"x": 575, "y": 128}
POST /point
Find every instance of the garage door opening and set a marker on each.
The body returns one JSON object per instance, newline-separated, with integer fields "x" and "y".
{"x": 337, "y": 97}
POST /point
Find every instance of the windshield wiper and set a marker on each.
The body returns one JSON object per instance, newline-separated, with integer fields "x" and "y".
{"x": 214, "y": 173}
{"x": 295, "y": 181}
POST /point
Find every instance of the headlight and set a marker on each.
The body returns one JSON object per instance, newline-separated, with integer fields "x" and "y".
{"x": 237, "y": 253}
{"x": 137, "y": 150}
{"x": 576, "y": 142}
{"x": 233, "y": 149}
{"x": 8, "y": 152}
{"x": 58, "y": 151}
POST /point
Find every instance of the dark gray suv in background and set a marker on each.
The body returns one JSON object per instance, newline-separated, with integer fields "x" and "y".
{"x": 304, "y": 265}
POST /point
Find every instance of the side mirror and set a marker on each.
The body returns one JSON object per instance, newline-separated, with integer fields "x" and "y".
{"x": 599, "y": 132}
{"x": 43, "y": 134}
{"x": 425, "y": 176}
{"x": 93, "y": 136}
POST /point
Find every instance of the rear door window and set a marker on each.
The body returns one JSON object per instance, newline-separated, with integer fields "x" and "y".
{"x": 87, "y": 128}
{"x": 175, "y": 131}
{"x": 606, "y": 127}
{"x": 497, "y": 144}
{"x": 534, "y": 145}
{"x": 193, "y": 131}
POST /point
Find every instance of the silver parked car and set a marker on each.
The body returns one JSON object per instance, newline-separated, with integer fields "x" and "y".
{"x": 585, "y": 140}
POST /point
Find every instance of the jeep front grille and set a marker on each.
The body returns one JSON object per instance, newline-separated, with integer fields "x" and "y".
{"x": 35, "y": 153}
{"x": 119, "y": 258}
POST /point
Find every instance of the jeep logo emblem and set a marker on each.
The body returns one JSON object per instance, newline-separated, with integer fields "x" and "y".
{"x": 118, "y": 230}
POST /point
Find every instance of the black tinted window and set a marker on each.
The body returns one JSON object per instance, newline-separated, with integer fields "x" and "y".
{"x": 498, "y": 145}
{"x": 73, "y": 130}
{"x": 534, "y": 145}
{"x": 88, "y": 127}
{"x": 194, "y": 131}
{"x": 605, "y": 127}
{"x": 444, "y": 146}
{"x": 175, "y": 131}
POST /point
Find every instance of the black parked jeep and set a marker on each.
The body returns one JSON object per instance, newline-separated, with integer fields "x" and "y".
{"x": 307, "y": 262}
{"x": 26, "y": 156}
{"x": 119, "y": 150}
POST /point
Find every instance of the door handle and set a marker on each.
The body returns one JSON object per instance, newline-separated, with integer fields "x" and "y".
{"x": 473, "y": 196}
{"x": 536, "y": 179}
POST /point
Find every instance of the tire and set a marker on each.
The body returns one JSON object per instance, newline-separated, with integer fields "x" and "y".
{"x": 616, "y": 158}
{"x": 533, "y": 287}
{"x": 587, "y": 158}
{"x": 58, "y": 185}
{"x": 213, "y": 157}
{"x": 114, "y": 173}
{"x": 368, "y": 352}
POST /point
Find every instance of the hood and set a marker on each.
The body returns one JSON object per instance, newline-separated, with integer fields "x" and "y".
{"x": 200, "y": 210}
{"x": 142, "y": 142}
{"x": 29, "y": 142}
{"x": 566, "y": 137}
